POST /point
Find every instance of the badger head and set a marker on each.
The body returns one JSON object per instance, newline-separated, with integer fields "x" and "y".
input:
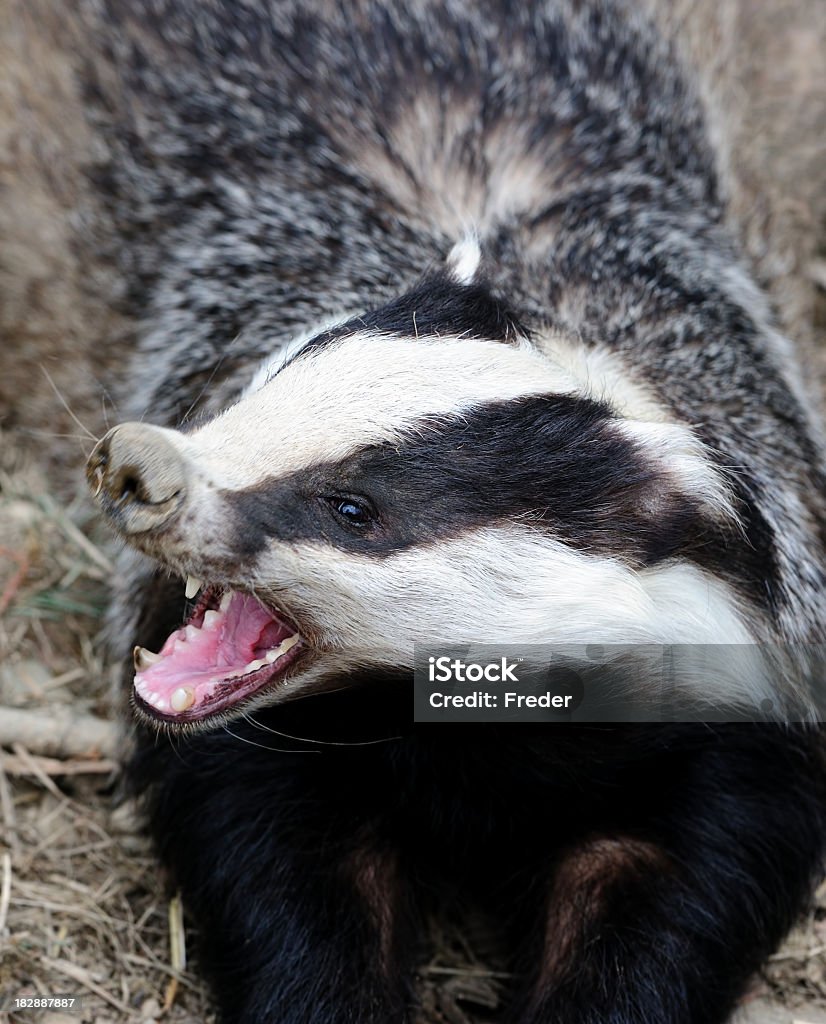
{"x": 428, "y": 473}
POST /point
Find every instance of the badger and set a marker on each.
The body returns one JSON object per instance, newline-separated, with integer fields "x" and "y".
{"x": 446, "y": 338}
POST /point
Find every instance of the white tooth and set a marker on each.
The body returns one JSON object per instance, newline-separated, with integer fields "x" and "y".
{"x": 283, "y": 647}
{"x": 254, "y": 665}
{"x": 193, "y": 585}
{"x": 182, "y": 699}
{"x": 225, "y": 600}
{"x": 191, "y": 632}
{"x": 210, "y": 619}
{"x": 143, "y": 659}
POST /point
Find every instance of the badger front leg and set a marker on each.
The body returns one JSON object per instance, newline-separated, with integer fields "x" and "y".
{"x": 297, "y": 902}
{"x": 665, "y": 924}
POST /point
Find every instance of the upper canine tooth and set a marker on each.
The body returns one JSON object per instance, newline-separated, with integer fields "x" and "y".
{"x": 225, "y": 600}
{"x": 143, "y": 659}
{"x": 193, "y": 585}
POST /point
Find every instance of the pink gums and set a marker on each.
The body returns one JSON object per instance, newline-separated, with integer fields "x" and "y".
{"x": 214, "y": 653}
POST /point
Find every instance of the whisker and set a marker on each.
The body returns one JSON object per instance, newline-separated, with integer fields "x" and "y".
{"x": 65, "y": 405}
{"x": 82, "y": 440}
{"x": 36, "y": 432}
{"x": 323, "y": 743}
{"x": 211, "y": 377}
{"x": 103, "y": 397}
{"x": 263, "y": 746}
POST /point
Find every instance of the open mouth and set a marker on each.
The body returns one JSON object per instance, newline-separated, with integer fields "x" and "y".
{"x": 229, "y": 649}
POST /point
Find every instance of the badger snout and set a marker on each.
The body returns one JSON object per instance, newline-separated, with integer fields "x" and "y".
{"x": 138, "y": 477}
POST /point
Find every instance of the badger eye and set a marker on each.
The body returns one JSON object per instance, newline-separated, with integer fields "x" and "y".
{"x": 352, "y": 511}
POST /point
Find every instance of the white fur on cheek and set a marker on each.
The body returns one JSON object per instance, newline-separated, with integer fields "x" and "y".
{"x": 505, "y": 585}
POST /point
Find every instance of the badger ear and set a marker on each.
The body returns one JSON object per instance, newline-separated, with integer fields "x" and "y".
{"x": 464, "y": 261}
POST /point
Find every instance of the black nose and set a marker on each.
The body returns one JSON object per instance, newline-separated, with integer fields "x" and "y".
{"x": 138, "y": 477}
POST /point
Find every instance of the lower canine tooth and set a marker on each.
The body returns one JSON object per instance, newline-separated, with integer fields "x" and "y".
{"x": 144, "y": 659}
{"x": 182, "y": 699}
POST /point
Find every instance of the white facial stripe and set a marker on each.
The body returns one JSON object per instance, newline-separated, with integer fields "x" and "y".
{"x": 505, "y": 584}
{"x": 364, "y": 389}
{"x": 282, "y": 353}
{"x": 687, "y": 463}
{"x": 602, "y": 375}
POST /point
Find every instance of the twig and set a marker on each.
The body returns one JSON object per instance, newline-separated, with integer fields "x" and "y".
{"x": 177, "y": 934}
{"x": 799, "y": 954}
{"x": 57, "y": 733}
{"x": 77, "y": 536}
{"x": 466, "y": 972}
{"x": 9, "y": 815}
{"x": 34, "y": 770}
{"x": 14, "y": 765}
{"x": 177, "y": 948}
{"x": 83, "y": 977}
{"x": 5, "y": 891}
{"x": 13, "y": 584}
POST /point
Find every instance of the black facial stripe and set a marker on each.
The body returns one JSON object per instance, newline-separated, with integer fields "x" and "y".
{"x": 558, "y": 463}
{"x": 437, "y": 307}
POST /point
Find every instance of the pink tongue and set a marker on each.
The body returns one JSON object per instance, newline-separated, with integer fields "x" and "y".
{"x": 224, "y": 645}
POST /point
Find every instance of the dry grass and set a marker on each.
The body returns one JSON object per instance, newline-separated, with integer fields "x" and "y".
{"x": 82, "y": 906}
{"x": 797, "y": 973}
